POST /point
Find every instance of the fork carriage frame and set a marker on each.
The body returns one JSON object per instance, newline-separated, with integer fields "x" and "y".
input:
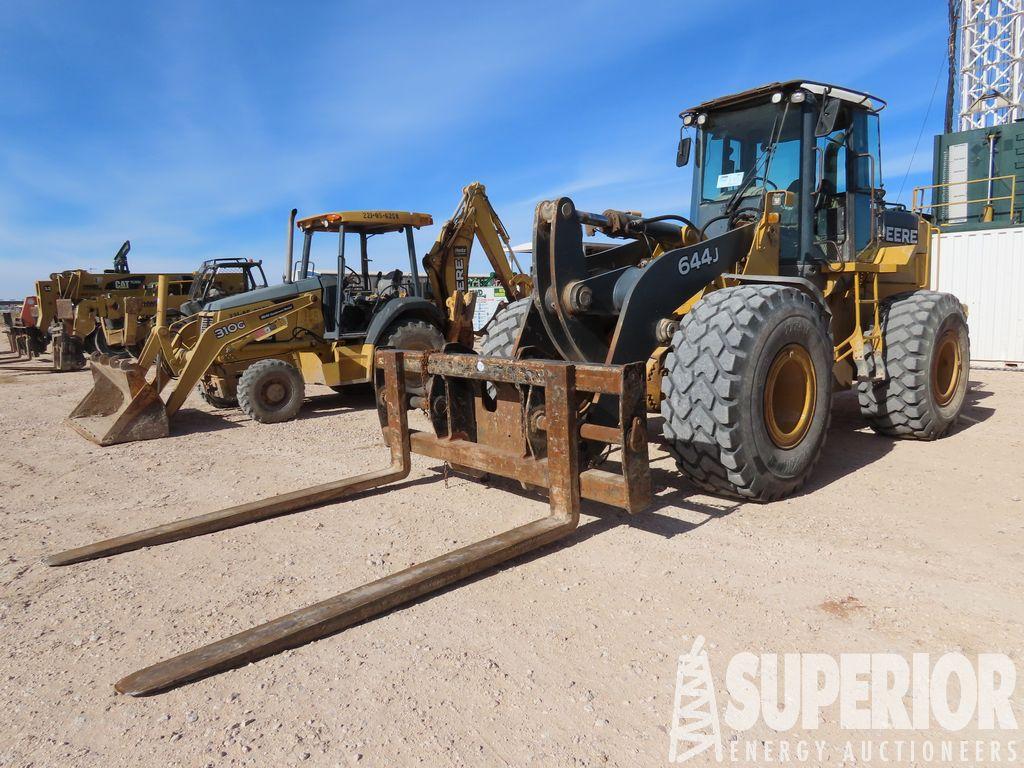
{"x": 520, "y": 419}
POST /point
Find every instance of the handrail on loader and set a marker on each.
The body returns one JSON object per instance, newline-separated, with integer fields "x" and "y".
{"x": 519, "y": 419}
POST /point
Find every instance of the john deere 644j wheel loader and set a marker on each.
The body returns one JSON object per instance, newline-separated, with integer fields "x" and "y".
{"x": 790, "y": 278}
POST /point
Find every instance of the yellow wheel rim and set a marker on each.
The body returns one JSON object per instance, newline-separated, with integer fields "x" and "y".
{"x": 946, "y": 366}
{"x": 790, "y": 396}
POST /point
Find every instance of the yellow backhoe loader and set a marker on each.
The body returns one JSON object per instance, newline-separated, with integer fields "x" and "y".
{"x": 790, "y": 279}
{"x": 259, "y": 349}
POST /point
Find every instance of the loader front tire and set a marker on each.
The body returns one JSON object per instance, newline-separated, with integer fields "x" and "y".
{"x": 271, "y": 391}
{"x": 927, "y": 355}
{"x": 748, "y": 391}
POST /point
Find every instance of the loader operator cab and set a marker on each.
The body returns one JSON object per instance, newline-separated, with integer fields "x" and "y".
{"x": 349, "y": 312}
{"x": 207, "y": 281}
{"x": 815, "y": 147}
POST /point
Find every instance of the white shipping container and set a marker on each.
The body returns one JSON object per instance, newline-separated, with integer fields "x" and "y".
{"x": 985, "y": 269}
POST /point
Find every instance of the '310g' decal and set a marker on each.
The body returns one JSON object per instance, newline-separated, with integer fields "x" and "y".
{"x": 688, "y": 264}
{"x": 220, "y": 333}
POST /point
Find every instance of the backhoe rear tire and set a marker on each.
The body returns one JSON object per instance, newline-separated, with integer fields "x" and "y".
{"x": 927, "y": 354}
{"x": 415, "y": 335}
{"x": 748, "y": 391}
{"x": 500, "y": 339}
{"x": 271, "y": 391}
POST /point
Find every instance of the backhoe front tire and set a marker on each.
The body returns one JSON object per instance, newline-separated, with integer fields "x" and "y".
{"x": 271, "y": 391}
{"x": 748, "y": 391}
{"x": 927, "y": 354}
{"x": 209, "y": 395}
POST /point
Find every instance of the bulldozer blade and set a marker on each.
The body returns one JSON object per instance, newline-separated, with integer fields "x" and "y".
{"x": 121, "y": 407}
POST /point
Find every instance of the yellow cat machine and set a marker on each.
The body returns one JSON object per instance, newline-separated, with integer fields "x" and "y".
{"x": 27, "y": 327}
{"x": 791, "y": 278}
{"x": 259, "y": 349}
{"x": 113, "y": 311}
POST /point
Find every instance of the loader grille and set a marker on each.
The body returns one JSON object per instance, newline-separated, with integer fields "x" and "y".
{"x": 205, "y": 322}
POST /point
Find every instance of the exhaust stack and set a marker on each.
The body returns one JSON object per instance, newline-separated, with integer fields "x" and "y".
{"x": 290, "y": 246}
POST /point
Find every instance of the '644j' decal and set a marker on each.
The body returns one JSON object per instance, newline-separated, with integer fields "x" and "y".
{"x": 220, "y": 333}
{"x": 698, "y": 259}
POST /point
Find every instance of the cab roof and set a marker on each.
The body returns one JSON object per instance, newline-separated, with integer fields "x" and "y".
{"x": 367, "y": 222}
{"x": 872, "y": 103}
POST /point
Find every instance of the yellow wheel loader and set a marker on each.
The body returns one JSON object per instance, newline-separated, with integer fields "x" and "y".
{"x": 790, "y": 279}
{"x": 257, "y": 350}
{"x": 112, "y": 312}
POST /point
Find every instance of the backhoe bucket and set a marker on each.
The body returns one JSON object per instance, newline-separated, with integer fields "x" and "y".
{"x": 121, "y": 407}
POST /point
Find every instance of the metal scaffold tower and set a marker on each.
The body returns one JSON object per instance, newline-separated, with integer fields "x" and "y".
{"x": 991, "y": 62}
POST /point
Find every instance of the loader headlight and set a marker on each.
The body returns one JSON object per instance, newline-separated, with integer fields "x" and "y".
{"x": 688, "y": 120}
{"x": 701, "y": 119}
{"x": 776, "y": 97}
{"x": 798, "y": 97}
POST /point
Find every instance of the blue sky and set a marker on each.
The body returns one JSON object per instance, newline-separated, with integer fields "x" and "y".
{"x": 192, "y": 128}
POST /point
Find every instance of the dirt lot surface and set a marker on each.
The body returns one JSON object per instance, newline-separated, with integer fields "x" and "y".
{"x": 564, "y": 658}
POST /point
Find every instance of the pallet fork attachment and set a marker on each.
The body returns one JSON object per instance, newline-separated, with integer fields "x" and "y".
{"x": 521, "y": 419}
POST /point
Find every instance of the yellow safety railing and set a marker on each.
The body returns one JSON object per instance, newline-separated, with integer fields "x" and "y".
{"x": 918, "y": 199}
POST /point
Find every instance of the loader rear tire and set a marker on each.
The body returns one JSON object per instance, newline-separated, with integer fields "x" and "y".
{"x": 271, "y": 391}
{"x": 927, "y": 354}
{"x": 500, "y": 339}
{"x": 748, "y": 391}
{"x": 418, "y": 336}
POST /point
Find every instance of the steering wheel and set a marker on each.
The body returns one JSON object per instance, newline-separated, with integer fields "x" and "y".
{"x": 355, "y": 280}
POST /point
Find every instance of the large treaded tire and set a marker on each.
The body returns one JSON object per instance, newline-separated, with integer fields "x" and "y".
{"x": 415, "y": 335}
{"x": 208, "y": 396}
{"x": 500, "y": 339}
{"x": 714, "y": 390}
{"x": 905, "y": 404}
{"x": 259, "y": 396}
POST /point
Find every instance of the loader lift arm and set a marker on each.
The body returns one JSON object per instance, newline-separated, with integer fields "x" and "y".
{"x": 447, "y": 262}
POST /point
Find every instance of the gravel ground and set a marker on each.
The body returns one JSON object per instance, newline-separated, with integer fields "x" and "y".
{"x": 563, "y": 658}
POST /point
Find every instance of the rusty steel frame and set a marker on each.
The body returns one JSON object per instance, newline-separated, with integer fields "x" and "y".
{"x": 481, "y": 432}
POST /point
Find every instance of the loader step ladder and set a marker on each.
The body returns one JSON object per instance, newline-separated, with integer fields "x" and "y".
{"x": 865, "y": 348}
{"x": 479, "y": 431}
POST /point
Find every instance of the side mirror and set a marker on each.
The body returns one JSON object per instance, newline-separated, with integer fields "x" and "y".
{"x": 683, "y": 151}
{"x": 827, "y": 117}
